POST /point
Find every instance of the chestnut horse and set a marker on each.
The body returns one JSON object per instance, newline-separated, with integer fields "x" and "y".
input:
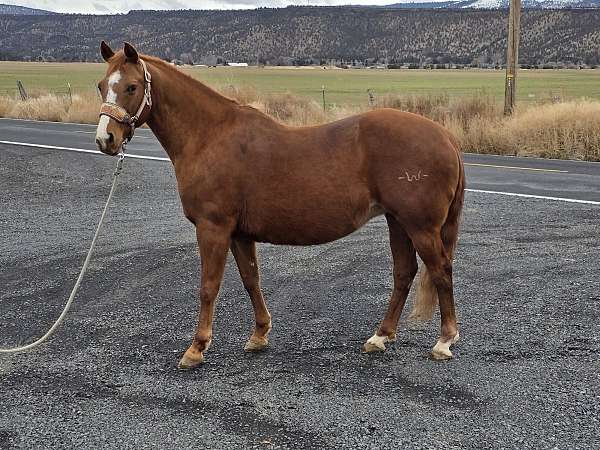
{"x": 243, "y": 178}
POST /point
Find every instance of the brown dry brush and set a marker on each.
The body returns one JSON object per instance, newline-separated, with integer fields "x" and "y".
{"x": 564, "y": 129}
{"x": 80, "y": 108}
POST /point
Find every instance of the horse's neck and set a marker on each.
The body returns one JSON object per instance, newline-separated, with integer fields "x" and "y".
{"x": 184, "y": 111}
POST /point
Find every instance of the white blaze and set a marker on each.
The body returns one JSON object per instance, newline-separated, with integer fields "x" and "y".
{"x": 111, "y": 97}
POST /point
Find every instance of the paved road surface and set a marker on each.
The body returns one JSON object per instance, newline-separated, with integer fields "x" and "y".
{"x": 530, "y": 176}
{"x": 527, "y": 288}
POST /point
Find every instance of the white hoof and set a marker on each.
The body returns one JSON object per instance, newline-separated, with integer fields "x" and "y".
{"x": 375, "y": 344}
{"x": 441, "y": 350}
{"x": 256, "y": 344}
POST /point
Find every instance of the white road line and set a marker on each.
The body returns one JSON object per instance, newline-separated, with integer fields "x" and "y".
{"x": 495, "y": 166}
{"x": 94, "y": 125}
{"x": 80, "y": 150}
{"x": 156, "y": 158}
{"x": 21, "y": 127}
{"x": 137, "y": 136}
{"x": 533, "y": 158}
{"x": 542, "y": 197}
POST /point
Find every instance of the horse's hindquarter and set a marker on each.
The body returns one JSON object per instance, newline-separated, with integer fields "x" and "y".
{"x": 413, "y": 166}
{"x": 306, "y": 185}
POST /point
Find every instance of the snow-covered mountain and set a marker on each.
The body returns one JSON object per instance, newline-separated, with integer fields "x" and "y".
{"x": 122, "y": 7}
{"x": 22, "y": 10}
{"x": 497, "y": 4}
{"x": 542, "y": 4}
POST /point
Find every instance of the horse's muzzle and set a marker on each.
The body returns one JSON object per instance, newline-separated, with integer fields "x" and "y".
{"x": 107, "y": 146}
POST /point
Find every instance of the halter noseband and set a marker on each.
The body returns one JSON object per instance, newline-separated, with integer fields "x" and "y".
{"x": 120, "y": 114}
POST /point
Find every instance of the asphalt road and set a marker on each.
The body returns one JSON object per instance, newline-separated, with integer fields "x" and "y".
{"x": 526, "y": 372}
{"x": 529, "y": 176}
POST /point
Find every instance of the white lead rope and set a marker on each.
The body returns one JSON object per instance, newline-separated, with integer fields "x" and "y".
{"x": 83, "y": 269}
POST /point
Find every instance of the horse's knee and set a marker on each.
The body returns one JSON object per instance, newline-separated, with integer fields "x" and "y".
{"x": 208, "y": 293}
{"x": 251, "y": 285}
{"x": 250, "y": 280}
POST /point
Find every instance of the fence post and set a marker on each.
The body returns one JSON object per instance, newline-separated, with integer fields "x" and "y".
{"x": 323, "y": 92}
{"x": 70, "y": 93}
{"x": 22, "y": 90}
{"x": 371, "y": 98}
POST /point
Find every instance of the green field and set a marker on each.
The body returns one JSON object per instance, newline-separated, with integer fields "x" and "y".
{"x": 342, "y": 86}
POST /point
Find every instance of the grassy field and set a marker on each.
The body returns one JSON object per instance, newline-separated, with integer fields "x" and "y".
{"x": 551, "y": 120}
{"x": 343, "y": 87}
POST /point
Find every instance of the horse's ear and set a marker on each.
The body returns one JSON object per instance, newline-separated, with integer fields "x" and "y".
{"x": 130, "y": 52}
{"x": 106, "y": 51}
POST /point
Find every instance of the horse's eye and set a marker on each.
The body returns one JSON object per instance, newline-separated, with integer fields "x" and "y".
{"x": 131, "y": 89}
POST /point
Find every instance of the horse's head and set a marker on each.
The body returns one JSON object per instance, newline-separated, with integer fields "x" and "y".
{"x": 125, "y": 92}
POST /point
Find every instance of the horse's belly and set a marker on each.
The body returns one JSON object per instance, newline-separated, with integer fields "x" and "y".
{"x": 311, "y": 226}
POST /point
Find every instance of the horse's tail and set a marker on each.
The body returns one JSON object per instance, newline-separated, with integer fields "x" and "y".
{"x": 426, "y": 296}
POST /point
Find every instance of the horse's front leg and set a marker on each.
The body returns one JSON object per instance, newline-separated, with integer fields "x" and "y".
{"x": 213, "y": 244}
{"x": 244, "y": 252}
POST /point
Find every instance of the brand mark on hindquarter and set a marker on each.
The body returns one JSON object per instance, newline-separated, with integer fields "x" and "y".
{"x": 419, "y": 176}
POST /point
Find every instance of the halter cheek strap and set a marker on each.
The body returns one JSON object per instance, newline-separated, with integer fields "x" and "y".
{"x": 120, "y": 114}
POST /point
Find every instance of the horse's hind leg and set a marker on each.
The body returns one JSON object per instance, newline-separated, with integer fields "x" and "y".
{"x": 244, "y": 253}
{"x": 405, "y": 268}
{"x": 438, "y": 261}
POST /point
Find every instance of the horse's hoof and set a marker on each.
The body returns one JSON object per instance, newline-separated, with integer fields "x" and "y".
{"x": 375, "y": 344}
{"x": 188, "y": 362}
{"x": 256, "y": 344}
{"x": 441, "y": 350}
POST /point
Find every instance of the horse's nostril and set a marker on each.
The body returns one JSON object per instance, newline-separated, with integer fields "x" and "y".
{"x": 111, "y": 138}
{"x": 98, "y": 142}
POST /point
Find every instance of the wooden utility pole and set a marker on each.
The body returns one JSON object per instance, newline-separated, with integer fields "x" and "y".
{"x": 512, "y": 56}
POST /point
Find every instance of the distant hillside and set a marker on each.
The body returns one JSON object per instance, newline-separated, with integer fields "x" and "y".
{"x": 311, "y": 34}
{"x": 22, "y": 10}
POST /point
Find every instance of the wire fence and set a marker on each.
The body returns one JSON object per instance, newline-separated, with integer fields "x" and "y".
{"x": 25, "y": 92}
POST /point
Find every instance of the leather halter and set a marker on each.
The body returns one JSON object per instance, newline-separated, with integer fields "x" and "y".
{"x": 120, "y": 114}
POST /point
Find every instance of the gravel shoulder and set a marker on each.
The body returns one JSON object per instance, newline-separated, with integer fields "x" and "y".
{"x": 525, "y": 373}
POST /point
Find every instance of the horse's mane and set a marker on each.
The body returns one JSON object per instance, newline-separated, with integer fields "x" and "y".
{"x": 184, "y": 76}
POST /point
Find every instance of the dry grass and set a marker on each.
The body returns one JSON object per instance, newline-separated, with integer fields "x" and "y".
{"x": 442, "y": 108}
{"x": 286, "y": 108}
{"x": 564, "y": 130}
{"x": 57, "y": 108}
{"x": 568, "y": 130}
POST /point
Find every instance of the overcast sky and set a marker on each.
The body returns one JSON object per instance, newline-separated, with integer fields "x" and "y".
{"x": 122, "y": 6}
